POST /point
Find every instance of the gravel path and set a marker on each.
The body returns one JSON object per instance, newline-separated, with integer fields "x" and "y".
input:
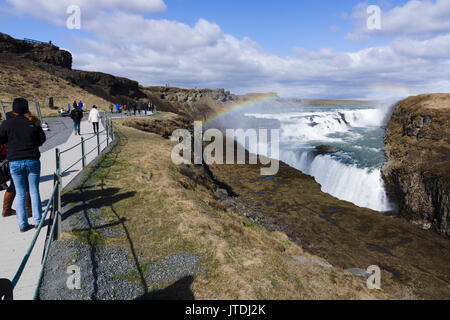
{"x": 109, "y": 273}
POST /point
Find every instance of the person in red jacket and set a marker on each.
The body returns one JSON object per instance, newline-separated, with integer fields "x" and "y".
{"x": 10, "y": 193}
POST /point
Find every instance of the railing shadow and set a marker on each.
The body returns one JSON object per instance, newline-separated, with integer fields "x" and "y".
{"x": 91, "y": 198}
{"x": 94, "y": 199}
{"x": 50, "y": 177}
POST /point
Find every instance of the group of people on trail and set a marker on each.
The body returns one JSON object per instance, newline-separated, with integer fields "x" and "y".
{"x": 134, "y": 108}
{"x": 77, "y": 114}
{"x": 21, "y": 135}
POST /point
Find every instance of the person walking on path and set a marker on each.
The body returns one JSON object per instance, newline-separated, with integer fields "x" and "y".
{"x": 118, "y": 108}
{"x": 76, "y": 115}
{"x": 23, "y": 135}
{"x": 93, "y": 117}
{"x": 139, "y": 108}
{"x": 10, "y": 193}
{"x": 80, "y": 105}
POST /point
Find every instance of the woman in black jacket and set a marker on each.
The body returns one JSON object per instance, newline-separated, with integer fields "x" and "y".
{"x": 76, "y": 114}
{"x": 23, "y": 136}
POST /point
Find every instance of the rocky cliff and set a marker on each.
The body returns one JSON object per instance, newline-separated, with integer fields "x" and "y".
{"x": 38, "y": 52}
{"x": 58, "y": 63}
{"x": 417, "y": 173}
{"x": 199, "y": 104}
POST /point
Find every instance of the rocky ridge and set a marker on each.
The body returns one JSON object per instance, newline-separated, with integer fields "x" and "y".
{"x": 417, "y": 172}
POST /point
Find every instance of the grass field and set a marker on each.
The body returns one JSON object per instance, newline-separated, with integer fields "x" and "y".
{"x": 172, "y": 212}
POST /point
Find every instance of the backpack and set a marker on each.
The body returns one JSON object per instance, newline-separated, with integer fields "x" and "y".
{"x": 5, "y": 174}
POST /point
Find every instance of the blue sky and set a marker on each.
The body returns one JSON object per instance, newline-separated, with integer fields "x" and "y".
{"x": 298, "y": 48}
{"x": 278, "y": 26}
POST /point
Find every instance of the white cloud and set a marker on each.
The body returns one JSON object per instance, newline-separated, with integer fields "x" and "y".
{"x": 157, "y": 52}
{"x": 204, "y": 56}
{"x": 420, "y": 18}
{"x": 54, "y": 11}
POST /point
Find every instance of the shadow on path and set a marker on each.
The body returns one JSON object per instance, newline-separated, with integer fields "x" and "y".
{"x": 86, "y": 198}
{"x": 180, "y": 290}
{"x": 50, "y": 177}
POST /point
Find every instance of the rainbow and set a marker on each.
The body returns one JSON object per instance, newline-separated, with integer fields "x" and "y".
{"x": 391, "y": 90}
{"x": 248, "y": 103}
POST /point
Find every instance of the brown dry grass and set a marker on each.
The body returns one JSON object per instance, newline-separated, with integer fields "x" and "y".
{"x": 21, "y": 78}
{"x": 170, "y": 214}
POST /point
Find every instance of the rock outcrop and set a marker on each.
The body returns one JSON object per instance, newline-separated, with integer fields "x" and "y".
{"x": 172, "y": 94}
{"x": 106, "y": 86}
{"x": 58, "y": 62}
{"x": 197, "y": 104}
{"x": 417, "y": 173}
{"x": 326, "y": 150}
{"x": 38, "y": 52}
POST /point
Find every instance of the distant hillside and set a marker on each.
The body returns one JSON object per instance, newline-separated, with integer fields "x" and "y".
{"x": 21, "y": 78}
{"x": 38, "y": 71}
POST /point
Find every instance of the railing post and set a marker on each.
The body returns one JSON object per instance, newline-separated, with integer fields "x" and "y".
{"x": 3, "y": 110}
{"x": 112, "y": 131}
{"x": 98, "y": 143}
{"x": 38, "y": 110}
{"x": 58, "y": 161}
{"x": 83, "y": 158}
{"x": 57, "y": 206}
{"x": 107, "y": 133}
{"x": 57, "y": 197}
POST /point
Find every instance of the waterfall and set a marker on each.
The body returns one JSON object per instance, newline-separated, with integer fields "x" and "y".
{"x": 354, "y": 174}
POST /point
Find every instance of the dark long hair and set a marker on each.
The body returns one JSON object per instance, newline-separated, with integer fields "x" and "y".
{"x": 27, "y": 115}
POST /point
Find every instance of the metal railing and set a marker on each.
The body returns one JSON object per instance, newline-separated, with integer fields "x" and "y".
{"x": 54, "y": 204}
{"x": 3, "y": 110}
{"x": 36, "y": 41}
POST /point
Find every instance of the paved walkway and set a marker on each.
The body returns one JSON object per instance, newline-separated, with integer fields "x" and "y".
{"x": 13, "y": 244}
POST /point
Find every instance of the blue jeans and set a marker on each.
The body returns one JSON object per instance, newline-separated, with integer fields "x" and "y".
{"x": 20, "y": 171}
{"x": 76, "y": 126}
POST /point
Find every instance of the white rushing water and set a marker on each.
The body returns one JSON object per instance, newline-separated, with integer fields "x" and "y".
{"x": 354, "y": 173}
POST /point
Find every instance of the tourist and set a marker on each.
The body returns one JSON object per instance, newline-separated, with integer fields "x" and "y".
{"x": 76, "y": 115}
{"x": 93, "y": 117}
{"x": 23, "y": 135}
{"x": 68, "y": 107}
{"x": 80, "y": 105}
{"x": 118, "y": 108}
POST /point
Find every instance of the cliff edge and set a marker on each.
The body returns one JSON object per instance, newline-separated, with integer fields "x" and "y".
{"x": 417, "y": 174}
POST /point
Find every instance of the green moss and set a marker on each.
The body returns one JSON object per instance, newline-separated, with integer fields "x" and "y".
{"x": 90, "y": 237}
